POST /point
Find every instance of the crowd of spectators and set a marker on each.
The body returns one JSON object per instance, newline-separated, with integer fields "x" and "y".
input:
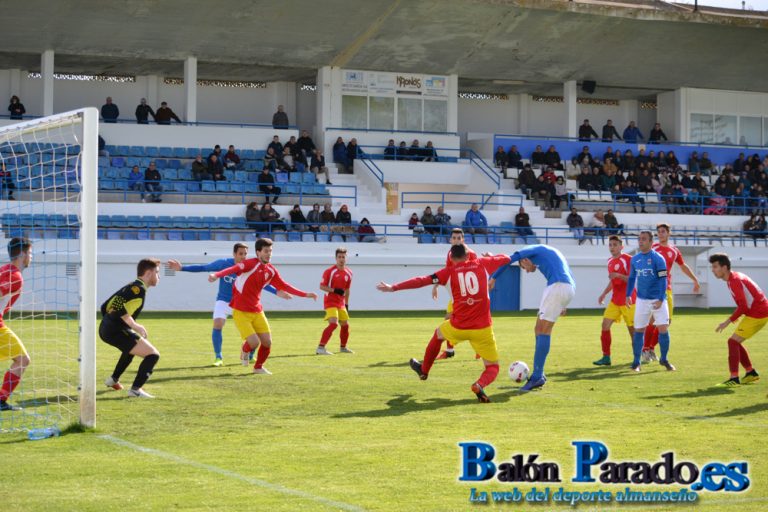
{"x": 110, "y": 112}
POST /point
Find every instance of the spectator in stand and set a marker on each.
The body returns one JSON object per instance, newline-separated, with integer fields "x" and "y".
{"x": 538, "y": 156}
{"x": 152, "y": 183}
{"x": 630, "y": 193}
{"x": 475, "y": 222}
{"x": 340, "y": 155}
{"x": 632, "y": 133}
{"x": 413, "y": 223}
{"x": 608, "y": 154}
{"x": 644, "y": 182}
{"x": 292, "y": 145}
{"x": 542, "y": 191}
{"x": 270, "y": 218}
{"x": 136, "y": 181}
{"x": 576, "y": 223}
{"x": 344, "y": 221}
{"x": 305, "y": 146}
{"x": 514, "y": 158}
{"x": 678, "y": 199}
{"x": 366, "y": 233}
{"x": 560, "y": 195}
{"x": 317, "y": 166}
{"x": 609, "y": 132}
{"x": 280, "y": 118}
{"x": 313, "y": 218}
{"x": 693, "y": 200}
{"x": 584, "y": 180}
{"x": 200, "y": 169}
{"x": 629, "y": 161}
{"x": 231, "y": 159}
{"x": 552, "y": 158}
{"x": 610, "y": 167}
{"x": 103, "y": 147}
{"x": 583, "y": 158}
{"x": 642, "y": 159}
{"x": 689, "y": 181}
{"x": 276, "y": 146}
{"x": 526, "y": 180}
{"x": 656, "y": 135}
{"x": 706, "y": 164}
{"x": 267, "y": 185}
{"x": 586, "y": 132}
{"x": 252, "y": 215}
{"x": 752, "y": 228}
{"x": 353, "y": 152}
{"x": 216, "y": 168}
{"x": 109, "y": 111}
{"x": 16, "y": 108}
{"x": 270, "y": 160}
{"x": 607, "y": 181}
{"x": 523, "y": 225}
{"x": 390, "y": 150}
{"x": 443, "y": 220}
{"x": 430, "y": 153}
{"x": 143, "y": 111}
{"x": 429, "y": 222}
{"x": 759, "y": 200}
{"x": 164, "y": 114}
{"x": 694, "y": 164}
{"x": 661, "y": 161}
{"x": 298, "y": 221}
{"x": 327, "y": 218}
{"x": 596, "y": 179}
{"x": 402, "y": 151}
{"x": 549, "y": 175}
{"x": 597, "y": 224}
{"x": 739, "y": 163}
{"x": 501, "y": 159}
{"x": 286, "y": 163}
{"x": 414, "y": 152}
{"x": 618, "y": 159}
{"x": 672, "y": 160}
{"x": 216, "y": 152}
{"x": 612, "y": 224}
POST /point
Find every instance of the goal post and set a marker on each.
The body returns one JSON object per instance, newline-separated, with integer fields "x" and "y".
{"x": 49, "y": 195}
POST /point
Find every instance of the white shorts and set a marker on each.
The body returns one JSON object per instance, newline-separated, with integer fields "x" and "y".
{"x": 221, "y": 310}
{"x": 555, "y": 299}
{"x": 644, "y": 311}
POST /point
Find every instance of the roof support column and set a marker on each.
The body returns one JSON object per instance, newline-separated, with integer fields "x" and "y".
{"x": 569, "y": 97}
{"x": 190, "y": 89}
{"x": 46, "y": 73}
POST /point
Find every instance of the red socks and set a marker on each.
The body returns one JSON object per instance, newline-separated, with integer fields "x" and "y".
{"x": 261, "y": 356}
{"x": 489, "y": 375}
{"x": 344, "y": 335}
{"x": 605, "y": 341}
{"x": 10, "y": 381}
{"x": 433, "y": 349}
{"x": 448, "y": 345}
{"x": 246, "y": 347}
{"x": 327, "y": 333}
{"x": 734, "y": 355}
{"x": 744, "y": 357}
{"x": 651, "y": 338}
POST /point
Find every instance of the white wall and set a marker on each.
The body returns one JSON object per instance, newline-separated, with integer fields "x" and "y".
{"x": 306, "y": 113}
{"x": 489, "y": 116}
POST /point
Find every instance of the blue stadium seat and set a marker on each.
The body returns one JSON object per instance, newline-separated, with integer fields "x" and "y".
{"x": 337, "y": 238}
{"x": 136, "y": 151}
{"x": 426, "y": 238}
{"x": 247, "y": 154}
{"x": 151, "y": 151}
{"x": 166, "y": 151}
{"x": 144, "y": 162}
{"x": 481, "y": 239}
{"x": 204, "y": 235}
{"x": 208, "y": 186}
{"x": 170, "y": 174}
{"x": 111, "y": 149}
{"x": 238, "y": 187}
{"x": 123, "y": 150}
{"x": 133, "y": 160}
{"x": 221, "y": 237}
{"x": 164, "y": 221}
{"x": 143, "y": 234}
{"x": 174, "y": 235}
{"x": 179, "y": 222}
{"x": 103, "y": 161}
{"x": 206, "y": 151}
{"x": 179, "y": 152}
{"x": 193, "y": 186}
{"x": 174, "y": 163}
{"x": 252, "y": 188}
{"x": 130, "y": 235}
{"x": 308, "y": 177}
{"x": 105, "y": 184}
{"x": 307, "y": 237}
{"x": 161, "y": 163}
{"x": 113, "y": 234}
{"x": 119, "y": 221}
{"x": 238, "y": 222}
{"x": 281, "y": 177}
{"x": 253, "y": 177}
{"x": 159, "y": 235}
{"x": 118, "y": 161}
{"x": 505, "y": 239}
{"x": 291, "y": 188}
{"x": 136, "y": 221}
{"x": 195, "y": 222}
{"x": 189, "y": 235}
{"x": 295, "y": 177}
{"x": 241, "y": 176}
{"x": 122, "y": 172}
{"x": 259, "y": 154}
{"x": 229, "y": 175}
{"x": 185, "y": 174}
{"x": 104, "y": 221}
{"x": 192, "y": 152}
{"x": 280, "y": 236}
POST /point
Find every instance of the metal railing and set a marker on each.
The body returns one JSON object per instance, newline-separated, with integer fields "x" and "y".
{"x": 701, "y": 205}
{"x": 460, "y": 198}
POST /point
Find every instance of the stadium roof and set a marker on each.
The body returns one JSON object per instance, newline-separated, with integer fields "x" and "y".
{"x": 632, "y": 48}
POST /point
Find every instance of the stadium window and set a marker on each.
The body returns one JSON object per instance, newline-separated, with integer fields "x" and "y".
{"x": 750, "y": 130}
{"x": 435, "y": 116}
{"x": 354, "y": 111}
{"x": 381, "y": 113}
{"x": 409, "y": 114}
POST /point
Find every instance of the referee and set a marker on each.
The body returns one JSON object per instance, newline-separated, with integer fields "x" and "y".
{"x": 119, "y": 328}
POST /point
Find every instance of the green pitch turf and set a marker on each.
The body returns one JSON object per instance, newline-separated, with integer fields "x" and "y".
{"x": 361, "y": 432}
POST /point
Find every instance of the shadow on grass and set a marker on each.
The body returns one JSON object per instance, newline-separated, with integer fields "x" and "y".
{"x": 47, "y": 400}
{"x": 401, "y": 405}
{"x": 739, "y": 411}
{"x": 595, "y": 373}
{"x": 698, "y": 393}
{"x": 388, "y": 364}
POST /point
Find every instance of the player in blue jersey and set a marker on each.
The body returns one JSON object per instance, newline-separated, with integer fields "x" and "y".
{"x": 649, "y": 269}
{"x": 221, "y": 309}
{"x": 557, "y": 295}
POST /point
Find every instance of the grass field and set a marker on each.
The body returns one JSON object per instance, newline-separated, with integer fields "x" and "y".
{"x": 361, "y": 432}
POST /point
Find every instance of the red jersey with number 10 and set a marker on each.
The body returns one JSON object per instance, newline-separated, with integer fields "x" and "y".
{"x": 11, "y": 282}
{"x": 252, "y": 277}
{"x": 335, "y": 278}
{"x": 468, "y": 282}
{"x": 671, "y": 255}
{"x": 619, "y": 265}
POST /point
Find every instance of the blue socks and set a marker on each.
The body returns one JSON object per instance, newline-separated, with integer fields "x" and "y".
{"x": 540, "y": 355}
{"x": 664, "y": 345}
{"x": 217, "y": 340}
{"x": 637, "y": 346}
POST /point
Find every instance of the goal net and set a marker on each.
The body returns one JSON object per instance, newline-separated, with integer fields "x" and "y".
{"x": 48, "y": 195}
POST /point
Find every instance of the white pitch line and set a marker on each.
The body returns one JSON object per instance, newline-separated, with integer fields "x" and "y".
{"x": 231, "y": 474}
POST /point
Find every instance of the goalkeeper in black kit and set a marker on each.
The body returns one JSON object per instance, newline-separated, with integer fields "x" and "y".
{"x": 119, "y": 328}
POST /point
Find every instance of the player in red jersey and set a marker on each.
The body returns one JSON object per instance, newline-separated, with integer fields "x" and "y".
{"x": 336, "y": 283}
{"x": 471, "y": 319}
{"x": 671, "y": 255}
{"x": 11, "y": 347}
{"x": 618, "y": 273}
{"x": 750, "y": 302}
{"x": 247, "y": 312}
{"x": 457, "y": 238}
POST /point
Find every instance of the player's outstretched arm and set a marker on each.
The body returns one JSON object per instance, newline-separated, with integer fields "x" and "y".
{"x": 174, "y": 265}
{"x": 723, "y": 325}
{"x": 688, "y": 272}
{"x": 282, "y": 285}
{"x": 384, "y": 287}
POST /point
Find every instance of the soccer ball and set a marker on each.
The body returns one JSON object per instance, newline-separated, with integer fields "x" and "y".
{"x": 518, "y": 371}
